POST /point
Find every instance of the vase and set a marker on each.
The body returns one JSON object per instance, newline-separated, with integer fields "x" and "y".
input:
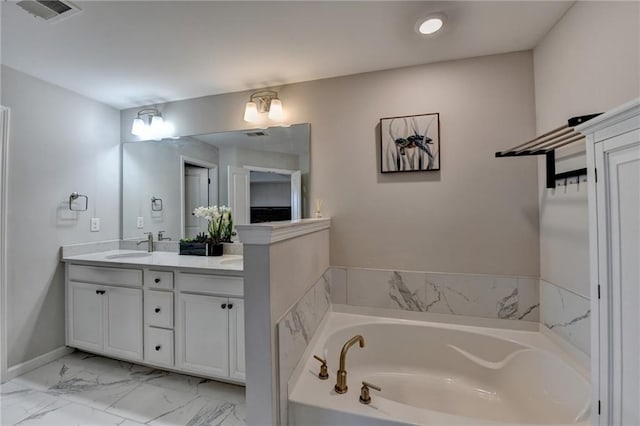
{"x": 215, "y": 249}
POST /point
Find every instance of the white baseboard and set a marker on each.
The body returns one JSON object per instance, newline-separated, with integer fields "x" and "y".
{"x": 32, "y": 364}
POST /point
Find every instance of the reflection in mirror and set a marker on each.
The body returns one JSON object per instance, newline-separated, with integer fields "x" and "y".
{"x": 263, "y": 175}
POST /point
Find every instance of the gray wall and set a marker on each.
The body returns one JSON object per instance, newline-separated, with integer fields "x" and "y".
{"x": 478, "y": 215}
{"x": 59, "y": 142}
{"x": 270, "y": 194}
{"x": 589, "y": 62}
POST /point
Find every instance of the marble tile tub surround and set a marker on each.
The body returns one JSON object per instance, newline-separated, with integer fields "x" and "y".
{"x": 84, "y": 389}
{"x": 567, "y": 314}
{"x": 295, "y": 330}
{"x": 487, "y": 296}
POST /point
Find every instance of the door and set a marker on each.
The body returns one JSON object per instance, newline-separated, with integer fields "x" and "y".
{"x": 618, "y": 200}
{"x": 84, "y": 324}
{"x": 296, "y": 195}
{"x": 196, "y": 194}
{"x": 123, "y": 322}
{"x": 239, "y": 199}
{"x": 236, "y": 339}
{"x": 203, "y": 334}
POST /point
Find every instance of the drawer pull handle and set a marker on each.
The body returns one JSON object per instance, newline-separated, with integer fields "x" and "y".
{"x": 100, "y": 292}
{"x": 158, "y": 348}
{"x": 224, "y": 306}
{"x": 157, "y": 280}
{"x": 230, "y": 305}
{"x": 157, "y": 310}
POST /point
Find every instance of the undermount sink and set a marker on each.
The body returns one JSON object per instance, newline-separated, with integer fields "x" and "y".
{"x": 235, "y": 261}
{"x": 128, "y": 255}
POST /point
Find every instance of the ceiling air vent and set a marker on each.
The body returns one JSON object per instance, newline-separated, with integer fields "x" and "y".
{"x": 253, "y": 134}
{"x": 50, "y": 11}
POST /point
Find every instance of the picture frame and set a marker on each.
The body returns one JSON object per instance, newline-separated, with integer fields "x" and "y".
{"x": 410, "y": 143}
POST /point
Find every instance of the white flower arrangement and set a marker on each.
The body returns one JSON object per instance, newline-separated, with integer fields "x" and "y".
{"x": 220, "y": 222}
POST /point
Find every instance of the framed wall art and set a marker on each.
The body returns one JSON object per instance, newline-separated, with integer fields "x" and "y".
{"x": 410, "y": 143}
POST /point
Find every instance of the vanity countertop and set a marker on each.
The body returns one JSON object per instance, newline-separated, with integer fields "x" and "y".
{"x": 226, "y": 263}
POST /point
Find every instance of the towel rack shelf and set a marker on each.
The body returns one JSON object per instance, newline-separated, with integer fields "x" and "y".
{"x": 547, "y": 143}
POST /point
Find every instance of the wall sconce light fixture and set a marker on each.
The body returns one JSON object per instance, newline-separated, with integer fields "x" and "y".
{"x": 149, "y": 124}
{"x": 261, "y": 102}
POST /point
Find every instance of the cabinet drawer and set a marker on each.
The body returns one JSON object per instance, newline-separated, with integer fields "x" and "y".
{"x": 158, "y": 279}
{"x": 158, "y": 308}
{"x": 100, "y": 275}
{"x": 212, "y": 284}
{"x": 158, "y": 346}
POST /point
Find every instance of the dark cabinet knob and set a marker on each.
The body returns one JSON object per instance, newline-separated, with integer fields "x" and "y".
{"x": 157, "y": 280}
{"x": 158, "y": 348}
{"x": 224, "y": 306}
{"x": 97, "y": 291}
{"x": 230, "y": 305}
{"x": 157, "y": 310}
{"x": 100, "y": 292}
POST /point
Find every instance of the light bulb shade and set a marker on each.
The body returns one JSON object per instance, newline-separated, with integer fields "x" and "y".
{"x": 251, "y": 112}
{"x": 138, "y": 128}
{"x": 275, "y": 110}
{"x": 156, "y": 123}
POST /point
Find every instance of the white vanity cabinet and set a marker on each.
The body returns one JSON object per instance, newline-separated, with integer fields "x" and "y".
{"x": 210, "y": 325}
{"x": 236, "y": 339}
{"x": 613, "y": 150}
{"x": 176, "y": 319}
{"x": 103, "y": 317}
{"x": 203, "y": 334}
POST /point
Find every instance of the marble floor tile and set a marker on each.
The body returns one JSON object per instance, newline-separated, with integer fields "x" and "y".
{"x": 95, "y": 389}
{"x": 50, "y": 374}
{"x": 223, "y": 391}
{"x": 204, "y": 411}
{"x": 64, "y": 413}
{"x": 84, "y": 389}
{"x": 18, "y": 402}
{"x": 200, "y": 387}
{"x": 147, "y": 403}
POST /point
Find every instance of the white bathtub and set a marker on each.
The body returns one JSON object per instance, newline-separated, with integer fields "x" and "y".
{"x": 438, "y": 374}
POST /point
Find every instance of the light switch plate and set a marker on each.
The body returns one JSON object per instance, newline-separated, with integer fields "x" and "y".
{"x": 95, "y": 224}
{"x": 140, "y": 222}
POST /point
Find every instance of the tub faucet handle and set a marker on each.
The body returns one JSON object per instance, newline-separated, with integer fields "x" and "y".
{"x": 323, "y": 374}
{"x": 365, "y": 398}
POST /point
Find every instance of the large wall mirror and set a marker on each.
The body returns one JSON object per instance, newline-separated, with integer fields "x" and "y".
{"x": 263, "y": 175}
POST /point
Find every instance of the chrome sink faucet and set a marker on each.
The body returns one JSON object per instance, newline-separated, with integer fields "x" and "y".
{"x": 149, "y": 241}
{"x": 341, "y": 377}
{"x": 161, "y": 236}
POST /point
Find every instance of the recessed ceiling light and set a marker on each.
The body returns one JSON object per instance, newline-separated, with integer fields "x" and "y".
{"x": 431, "y": 24}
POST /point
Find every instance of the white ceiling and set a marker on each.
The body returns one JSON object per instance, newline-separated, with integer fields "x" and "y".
{"x": 128, "y": 54}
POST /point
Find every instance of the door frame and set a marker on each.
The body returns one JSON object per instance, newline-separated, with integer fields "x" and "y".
{"x": 280, "y": 172}
{"x": 270, "y": 170}
{"x": 213, "y": 175}
{"x": 4, "y": 175}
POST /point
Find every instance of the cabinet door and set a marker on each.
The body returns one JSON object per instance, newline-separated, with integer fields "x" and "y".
{"x": 619, "y": 218}
{"x": 236, "y": 339}
{"x": 203, "y": 334}
{"x": 84, "y": 324}
{"x": 123, "y": 322}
